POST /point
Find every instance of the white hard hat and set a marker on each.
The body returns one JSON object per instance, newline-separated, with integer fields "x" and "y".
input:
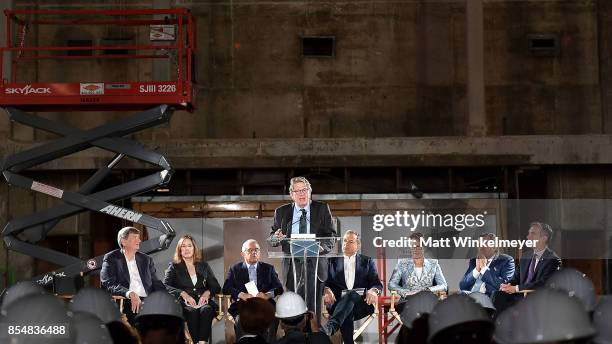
{"x": 290, "y": 305}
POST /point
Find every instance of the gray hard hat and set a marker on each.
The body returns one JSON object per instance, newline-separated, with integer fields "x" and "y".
{"x": 575, "y": 283}
{"x": 19, "y": 290}
{"x": 456, "y": 310}
{"x": 89, "y": 329}
{"x": 547, "y": 315}
{"x": 504, "y": 323}
{"x": 40, "y": 310}
{"x": 601, "y": 320}
{"x": 161, "y": 303}
{"x": 483, "y": 300}
{"x": 98, "y": 302}
{"x": 417, "y": 305}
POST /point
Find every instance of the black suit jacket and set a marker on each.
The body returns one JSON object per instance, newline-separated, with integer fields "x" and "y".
{"x": 177, "y": 280}
{"x": 320, "y": 224}
{"x": 366, "y": 275}
{"x": 548, "y": 264}
{"x": 238, "y": 276}
{"x": 115, "y": 276}
{"x": 320, "y": 221}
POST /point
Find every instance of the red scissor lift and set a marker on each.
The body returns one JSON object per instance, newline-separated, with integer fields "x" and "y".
{"x": 100, "y": 94}
{"x": 156, "y": 34}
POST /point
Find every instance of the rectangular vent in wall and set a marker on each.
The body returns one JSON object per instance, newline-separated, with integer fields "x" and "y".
{"x": 318, "y": 46}
{"x": 544, "y": 44}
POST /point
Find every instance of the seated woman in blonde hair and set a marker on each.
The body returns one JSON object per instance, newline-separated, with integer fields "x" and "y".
{"x": 192, "y": 280}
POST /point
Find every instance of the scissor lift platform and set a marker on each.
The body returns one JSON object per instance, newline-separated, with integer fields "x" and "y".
{"x": 171, "y": 37}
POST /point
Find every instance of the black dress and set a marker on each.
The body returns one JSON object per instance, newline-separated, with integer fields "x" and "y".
{"x": 177, "y": 280}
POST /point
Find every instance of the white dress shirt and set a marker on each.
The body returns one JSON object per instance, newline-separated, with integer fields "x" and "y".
{"x": 135, "y": 281}
{"x": 476, "y": 273}
{"x": 349, "y": 271}
{"x": 538, "y": 257}
{"x": 418, "y": 271}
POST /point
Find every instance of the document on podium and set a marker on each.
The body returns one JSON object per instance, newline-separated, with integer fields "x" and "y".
{"x": 304, "y": 245}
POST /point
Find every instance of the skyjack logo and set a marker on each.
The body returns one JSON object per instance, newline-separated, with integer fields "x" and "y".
{"x": 48, "y": 278}
{"x": 121, "y": 212}
{"x": 27, "y": 89}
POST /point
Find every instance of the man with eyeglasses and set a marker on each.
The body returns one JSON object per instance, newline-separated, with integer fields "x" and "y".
{"x": 261, "y": 274}
{"x": 304, "y": 216}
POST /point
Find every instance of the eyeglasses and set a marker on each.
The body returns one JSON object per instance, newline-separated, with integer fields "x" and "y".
{"x": 301, "y": 191}
{"x": 252, "y": 250}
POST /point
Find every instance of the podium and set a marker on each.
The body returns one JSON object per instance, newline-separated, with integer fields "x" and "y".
{"x": 305, "y": 264}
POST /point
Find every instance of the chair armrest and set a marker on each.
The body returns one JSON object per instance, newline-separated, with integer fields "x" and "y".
{"x": 220, "y": 312}
{"x": 228, "y": 303}
{"x": 394, "y": 294}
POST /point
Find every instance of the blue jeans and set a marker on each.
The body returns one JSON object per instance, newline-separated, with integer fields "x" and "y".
{"x": 349, "y": 308}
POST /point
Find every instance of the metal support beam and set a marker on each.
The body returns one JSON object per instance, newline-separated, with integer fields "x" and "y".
{"x": 358, "y": 152}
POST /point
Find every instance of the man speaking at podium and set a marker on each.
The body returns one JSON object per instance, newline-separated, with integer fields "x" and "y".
{"x": 304, "y": 216}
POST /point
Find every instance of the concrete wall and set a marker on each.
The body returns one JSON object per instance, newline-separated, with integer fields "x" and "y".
{"x": 399, "y": 69}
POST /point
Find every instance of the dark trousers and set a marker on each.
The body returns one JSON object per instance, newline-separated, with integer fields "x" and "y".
{"x": 127, "y": 310}
{"x": 199, "y": 321}
{"x": 503, "y": 301}
{"x": 310, "y": 286}
{"x": 349, "y": 308}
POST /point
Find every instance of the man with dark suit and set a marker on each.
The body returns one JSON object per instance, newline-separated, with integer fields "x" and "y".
{"x": 251, "y": 270}
{"x": 534, "y": 269}
{"x": 129, "y": 273}
{"x": 304, "y": 216}
{"x": 356, "y": 275}
{"x": 488, "y": 270}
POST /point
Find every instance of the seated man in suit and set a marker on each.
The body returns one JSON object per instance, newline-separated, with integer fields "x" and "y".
{"x": 488, "y": 270}
{"x": 129, "y": 273}
{"x": 356, "y": 275}
{"x": 251, "y": 270}
{"x": 535, "y": 267}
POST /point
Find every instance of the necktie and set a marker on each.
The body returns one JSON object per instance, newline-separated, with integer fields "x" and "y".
{"x": 531, "y": 271}
{"x": 252, "y": 273}
{"x": 303, "y": 227}
{"x": 477, "y": 284}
